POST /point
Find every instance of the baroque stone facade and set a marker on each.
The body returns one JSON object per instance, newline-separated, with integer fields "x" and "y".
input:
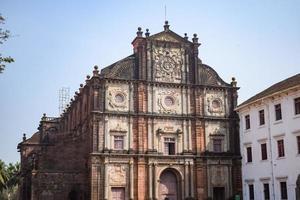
{"x": 158, "y": 124}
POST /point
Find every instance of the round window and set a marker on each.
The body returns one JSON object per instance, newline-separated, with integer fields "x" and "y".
{"x": 169, "y": 101}
{"x": 119, "y": 98}
{"x": 216, "y": 104}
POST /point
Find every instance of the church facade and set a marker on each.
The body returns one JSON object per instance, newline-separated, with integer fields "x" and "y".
{"x": 158, "y": 124}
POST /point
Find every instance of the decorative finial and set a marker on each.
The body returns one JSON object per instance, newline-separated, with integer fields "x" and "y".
{"x": 233, "y": 82}
{"x": 139, "y": 33}
{"x": 185, "y": 36}
{"x": 96, "y": 71}
{"x": 195, "y": 39}
{"x": 81, "y": 85}
{"x": 147, "y": 32}
{"x": 24, "y": 136}
{"x": 44, "y": 117}
{"x": 166, "y": 26}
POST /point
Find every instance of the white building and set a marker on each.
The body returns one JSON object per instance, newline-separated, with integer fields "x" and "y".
{"x": 270, "y": 141}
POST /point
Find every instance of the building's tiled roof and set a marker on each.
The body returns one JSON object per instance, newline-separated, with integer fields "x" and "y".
{"x": 34, "y": 139}
{"x": 280, "y": 86}
{"x": 123, "y": 68}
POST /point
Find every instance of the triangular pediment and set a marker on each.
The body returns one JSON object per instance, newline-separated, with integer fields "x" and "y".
{"x": 168, "y": 36}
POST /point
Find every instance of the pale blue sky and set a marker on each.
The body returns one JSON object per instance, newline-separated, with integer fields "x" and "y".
{"x": 57, "y": 43}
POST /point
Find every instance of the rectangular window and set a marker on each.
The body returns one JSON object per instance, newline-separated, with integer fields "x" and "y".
{"x": 283, "y": 190}
{"x": 264, "y": 154}
{"x": 297, "y": 106}
{"x": 247, "y": 121}
{"x": 266, "y": 191}
{"x": 249, "y": 154}
{"x": 280, "y": 145}
{"x": 278, "y": 115}
{"x": 298, "y": 142}
{"x": 251, "y": 191}
{"x": 118, "y": 142}
{"x": 170, "y": 146}
{"x": 117, "y": 193}
{"x": 217, "y": 143}
{"x": 261, "y": 117}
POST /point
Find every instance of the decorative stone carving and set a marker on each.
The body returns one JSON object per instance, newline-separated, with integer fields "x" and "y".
{"x": 215, "y": 105}
{"x": 218, "y": 176}
{"x": 117, "y": 99}
{"x": 118, "y": 129}
{"x": 96, "y": 160}
{"x": 216, "y": 130}
{"x": 168, "y": 130}
{"x": 167, "y": 64}
{"x": 166, "y": 37}
{"x": 168, "y": 102}
{"x": 117, "y": 175}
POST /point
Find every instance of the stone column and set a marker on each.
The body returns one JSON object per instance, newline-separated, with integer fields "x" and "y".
{"x": 153, "y": 134}
{"x": 95, "y": 135}
{"x": 188, "y": 101}
{"x": 150, "y": 176}
{"x": 186, "y": 178}
{"x": 106, "y": 136}
{"x": 149, "y": 134}
{"x": 131, "y": 179}
{"x": 130, "y": 134}
{"x": 185, "y": 136}
{"x": 105, "y": 180}
{"x": 179, "y": 142}
{"x": 192, "y": 178}
{"x": 34, "y": 196}
{"x": 190, "y": 136}
{"x": 155, "y": 182}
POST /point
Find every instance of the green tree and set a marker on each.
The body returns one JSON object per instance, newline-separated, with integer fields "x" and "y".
{"x": 9, "y": 180}
{"x": 3, "y": 176}
{"x": 4, "y": 35}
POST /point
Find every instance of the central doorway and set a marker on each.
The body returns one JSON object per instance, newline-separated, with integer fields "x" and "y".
{"x": 219, "y": 193}
{"x": 169, "y": 186}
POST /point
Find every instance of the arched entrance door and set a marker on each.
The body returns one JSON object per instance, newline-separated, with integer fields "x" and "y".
{"x": 169, "y": 188}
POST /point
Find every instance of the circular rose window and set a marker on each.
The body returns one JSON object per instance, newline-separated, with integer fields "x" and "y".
{"x": 119, "y": 98}
{"x": 169, "y": 101}
{"x": 216, "y": 104}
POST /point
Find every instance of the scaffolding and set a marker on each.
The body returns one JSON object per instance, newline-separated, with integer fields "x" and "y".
{"x": 64, "y": 99}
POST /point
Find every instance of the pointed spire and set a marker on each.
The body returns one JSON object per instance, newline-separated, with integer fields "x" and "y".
{"x": 166, "y": 26}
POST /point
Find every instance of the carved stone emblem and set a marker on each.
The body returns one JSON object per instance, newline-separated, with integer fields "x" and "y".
{"x": 117, "y": 98}
{"x": 167, "y": 64}
{"x": 167, "y": 102}
{"x": 117, "y": 175}
{"x": 215, "y": 104}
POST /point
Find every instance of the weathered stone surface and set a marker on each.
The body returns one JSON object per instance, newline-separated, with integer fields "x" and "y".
{"x": 150, "y": 116}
